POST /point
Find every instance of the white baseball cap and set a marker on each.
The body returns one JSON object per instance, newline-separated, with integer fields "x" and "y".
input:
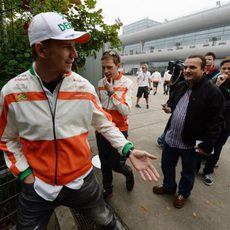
{"x": 52, "y": 25}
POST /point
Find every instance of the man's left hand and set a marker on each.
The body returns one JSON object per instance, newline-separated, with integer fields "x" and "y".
{"x": 200, "y": 151}
{"x": 141, "y": 162}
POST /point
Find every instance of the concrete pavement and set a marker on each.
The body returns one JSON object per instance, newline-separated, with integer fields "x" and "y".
{"x": 208, "y": 208}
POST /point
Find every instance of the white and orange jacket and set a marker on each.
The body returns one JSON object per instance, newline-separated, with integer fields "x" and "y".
{"x": 119, "y": 104}
{"x": 54, "y": 146}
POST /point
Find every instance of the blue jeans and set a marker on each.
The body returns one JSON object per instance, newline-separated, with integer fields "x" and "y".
{"x": 34, "y": 211}
{"x": 170, "y": 157}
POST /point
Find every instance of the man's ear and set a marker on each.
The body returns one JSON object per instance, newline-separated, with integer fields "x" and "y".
{"x": 118, "y": 65}
{"x": 40, "y": 49}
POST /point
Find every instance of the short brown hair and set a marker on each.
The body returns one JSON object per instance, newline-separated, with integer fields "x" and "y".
{"x": 34, "y": 53}
{"x": 202, "y": 58}
{"x": 211, "y": 54}
{"x": 225, "y": 60}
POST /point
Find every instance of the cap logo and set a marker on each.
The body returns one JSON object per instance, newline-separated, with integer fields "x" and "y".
{"x": 51, "y": 25}
{"x": 65, "y": 26}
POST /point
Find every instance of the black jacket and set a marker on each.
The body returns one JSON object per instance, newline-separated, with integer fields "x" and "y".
{"x": 214, "y": 71}
{"x": 204, "y": 117}
{"x": 225, "y": 89}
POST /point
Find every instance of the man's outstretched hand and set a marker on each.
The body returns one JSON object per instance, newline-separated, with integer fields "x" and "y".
{"x": 141, "y": 162}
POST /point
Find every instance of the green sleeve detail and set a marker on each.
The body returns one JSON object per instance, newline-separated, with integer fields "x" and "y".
{"x": 24, "y": 174}
{"x": 126, "y": 148}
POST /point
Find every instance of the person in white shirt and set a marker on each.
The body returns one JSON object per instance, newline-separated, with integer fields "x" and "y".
{"x": 144, "y": 85}
{"x": 166, "y": 78}
{"x": 156, "y": 79}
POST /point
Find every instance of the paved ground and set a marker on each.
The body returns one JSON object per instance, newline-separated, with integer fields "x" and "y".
{"x": 208, "y": 208}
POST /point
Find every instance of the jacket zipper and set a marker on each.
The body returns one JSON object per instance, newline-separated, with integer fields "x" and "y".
{"x": 54, "y": 131}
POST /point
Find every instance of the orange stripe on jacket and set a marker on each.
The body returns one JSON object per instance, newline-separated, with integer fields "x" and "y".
{"x": 3, "y": 146}
{"x": 122, "y": 99}
{"x": 118, "y": 119}
{"x": 122, "y": 89}
{"x": 82, "y": 96}
{"x": 15, "y": 98}
{"x": 11, "y": 157}
{"x": 42, "y": 158}
{"x": 115, "y": 88}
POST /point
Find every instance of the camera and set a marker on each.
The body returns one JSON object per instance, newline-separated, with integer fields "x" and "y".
{"x": 175, "y": 67}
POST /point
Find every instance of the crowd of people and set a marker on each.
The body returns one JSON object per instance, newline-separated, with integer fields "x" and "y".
{"x": 51, "y": 155}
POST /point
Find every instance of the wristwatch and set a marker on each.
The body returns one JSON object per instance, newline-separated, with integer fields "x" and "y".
{"x": 110, "y": 93}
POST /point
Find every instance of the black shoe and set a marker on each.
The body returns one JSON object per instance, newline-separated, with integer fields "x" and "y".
{"x": 138, "y": 106}
{"x": 130, "y": 182}
{"x": 107, "y": 194}
{"x": 208, "y": 180}
{"x": 147, "y": 106}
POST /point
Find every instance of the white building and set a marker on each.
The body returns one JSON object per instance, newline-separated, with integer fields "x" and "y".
{"x": 159, "y": 43}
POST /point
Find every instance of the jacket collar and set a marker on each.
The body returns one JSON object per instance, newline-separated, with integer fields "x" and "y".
{"x": 196, "y": 84}
{"x": 33, "y": 71}
{"x": 118, "y": 77}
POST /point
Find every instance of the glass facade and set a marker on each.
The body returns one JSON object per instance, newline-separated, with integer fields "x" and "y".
{"x": 209, "y": 37}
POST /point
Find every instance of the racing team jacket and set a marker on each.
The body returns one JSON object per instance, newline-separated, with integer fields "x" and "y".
{"x": 120, "y": 102}
{"x": 53, "y": 146}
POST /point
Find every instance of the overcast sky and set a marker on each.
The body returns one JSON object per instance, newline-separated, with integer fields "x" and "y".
{"x": 133, "y": 10}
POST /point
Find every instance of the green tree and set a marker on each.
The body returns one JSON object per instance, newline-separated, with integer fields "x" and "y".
{"x": 15, "y": 15}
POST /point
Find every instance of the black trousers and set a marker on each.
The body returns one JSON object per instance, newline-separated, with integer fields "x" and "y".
{"x": 111, "y": 160}
{"x": 213, "y": 158}
{"x": 34, "y": 212}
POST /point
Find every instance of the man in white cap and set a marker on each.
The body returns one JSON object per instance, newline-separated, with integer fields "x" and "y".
{"x": 45, "y": 114}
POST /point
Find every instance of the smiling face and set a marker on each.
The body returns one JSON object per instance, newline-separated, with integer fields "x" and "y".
{"x": 193, "y": 71}
{"x": 110, "y": 69}
{"x": 59, "y": 56}
{"x": 225, "y": 69}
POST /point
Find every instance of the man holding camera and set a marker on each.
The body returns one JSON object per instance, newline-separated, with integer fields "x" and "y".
{"x": 197, "y": 115}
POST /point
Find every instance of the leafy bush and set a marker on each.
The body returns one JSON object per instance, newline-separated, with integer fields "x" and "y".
{"x": 15, "y": 53}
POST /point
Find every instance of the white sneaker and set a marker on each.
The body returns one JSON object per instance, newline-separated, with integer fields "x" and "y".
{"x": 208, "y": 180}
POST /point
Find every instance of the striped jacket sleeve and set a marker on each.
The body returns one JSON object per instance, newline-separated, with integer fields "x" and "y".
{"x": 123, "y": 103}
{"x": 9, "y": 138}
{"x": 102, "y": 122}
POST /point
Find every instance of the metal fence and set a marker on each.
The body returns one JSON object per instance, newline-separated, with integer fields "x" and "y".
{"x": 9, "y": 191}
{"x": 84, "y": 223}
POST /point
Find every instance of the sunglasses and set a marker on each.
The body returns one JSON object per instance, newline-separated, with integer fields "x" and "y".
{"x": 111, "y": 53}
